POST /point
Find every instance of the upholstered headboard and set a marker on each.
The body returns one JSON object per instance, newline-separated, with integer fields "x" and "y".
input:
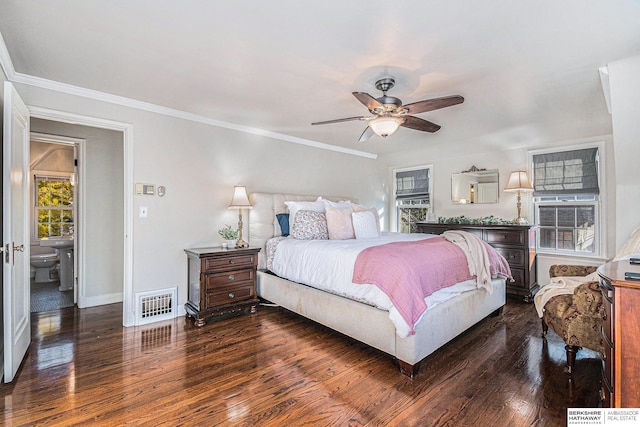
{"x": 263, "y": 224}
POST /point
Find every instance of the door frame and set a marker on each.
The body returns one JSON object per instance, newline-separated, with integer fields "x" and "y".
{"x": 128, "y": 300}
{"x": 78, "y": 208}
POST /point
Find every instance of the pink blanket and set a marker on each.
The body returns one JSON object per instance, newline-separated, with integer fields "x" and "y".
{"x": 410, "y": 271}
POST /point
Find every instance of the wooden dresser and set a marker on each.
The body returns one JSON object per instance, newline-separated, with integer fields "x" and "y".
{"x": 221, "y": 281}
{"x": 621, "y": 333}
{"x": 517, "y": 243}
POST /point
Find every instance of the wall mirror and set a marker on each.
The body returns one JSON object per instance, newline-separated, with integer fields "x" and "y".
{"x": 475, "y": 186}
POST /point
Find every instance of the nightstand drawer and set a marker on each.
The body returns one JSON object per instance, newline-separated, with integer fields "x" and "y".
{"x": 230, "y": 261}
{"x": 513, "y": 256}
{"x": 216, "y": 280}
{"x": 518, "y": 276}
{"x": 230, "y": 295}
{"x": 507, "y": 237}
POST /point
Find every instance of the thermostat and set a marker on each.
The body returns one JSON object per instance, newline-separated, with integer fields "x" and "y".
{"x": 145, "y": 189}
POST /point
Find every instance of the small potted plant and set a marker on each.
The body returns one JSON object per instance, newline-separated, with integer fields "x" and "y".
{"x": 230, "y": 235}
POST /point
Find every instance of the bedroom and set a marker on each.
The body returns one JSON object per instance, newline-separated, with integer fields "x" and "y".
{"x": 193, "y": 152}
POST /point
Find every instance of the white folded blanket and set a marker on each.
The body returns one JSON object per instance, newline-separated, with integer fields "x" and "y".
{"x": 560, "y": 286}
{"x": 476, "y": 253}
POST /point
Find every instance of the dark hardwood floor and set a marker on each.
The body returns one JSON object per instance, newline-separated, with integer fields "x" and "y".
{"x": 275, "y": 368}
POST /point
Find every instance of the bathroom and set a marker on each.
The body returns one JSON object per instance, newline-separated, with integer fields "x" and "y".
{"x": 53, "y": 210}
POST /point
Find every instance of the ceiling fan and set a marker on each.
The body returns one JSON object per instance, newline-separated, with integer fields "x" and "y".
{"x": 389, "y": 113}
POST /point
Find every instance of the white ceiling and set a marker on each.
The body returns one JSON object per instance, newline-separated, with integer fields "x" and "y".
{"x": 528, "y": 70}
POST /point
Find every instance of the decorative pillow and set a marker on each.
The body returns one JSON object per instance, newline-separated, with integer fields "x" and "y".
{"x": 339, "y": 223}
{"x": 364, "y": 225}
{"x": 283, "y": 220}
{"x": 310, "y": 225}
{"x": 374, "y": 211}
{"x": 294, "y": 207}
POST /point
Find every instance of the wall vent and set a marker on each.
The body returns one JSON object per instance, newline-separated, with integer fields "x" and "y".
{"x": 155, "y": 305}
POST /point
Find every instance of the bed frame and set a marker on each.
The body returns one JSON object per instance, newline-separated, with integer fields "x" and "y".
{"x": 439, "y": 325}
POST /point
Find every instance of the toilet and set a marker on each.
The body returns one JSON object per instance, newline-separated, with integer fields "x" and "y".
{"x": 45, "y": 265}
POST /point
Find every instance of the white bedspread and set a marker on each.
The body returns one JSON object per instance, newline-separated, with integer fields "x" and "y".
{"x": 329, "y": 265}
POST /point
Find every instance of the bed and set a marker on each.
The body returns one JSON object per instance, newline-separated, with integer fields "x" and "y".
{"x": 437, "y": 326}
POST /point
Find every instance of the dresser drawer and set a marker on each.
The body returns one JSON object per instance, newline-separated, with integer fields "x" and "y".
{"x": 607, "y": 317}
{"x": 507, "y": 237}
{"x": 513, "y": 256}
{"x": 518, "y": 276}
{"x": 606, "y": 390}
{"x": 216, "y": 280}
{"x": 230, "y": 295}
{"x": 607, "y": 367}
{"x": 218, "y": 263}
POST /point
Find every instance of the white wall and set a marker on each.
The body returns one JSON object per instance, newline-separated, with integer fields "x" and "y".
{"x": 625, "y": 92}
{"x": 453, "y": 159}
{"x": 199, "y": 164}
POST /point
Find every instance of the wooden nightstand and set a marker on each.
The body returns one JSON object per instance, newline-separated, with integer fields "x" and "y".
{"x": 221, "y": 282}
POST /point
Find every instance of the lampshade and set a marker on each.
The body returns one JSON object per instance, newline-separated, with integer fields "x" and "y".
{"x": 240, "y": 198}
{"x": 518, "y": 180}
{"x": 385, "y": 126}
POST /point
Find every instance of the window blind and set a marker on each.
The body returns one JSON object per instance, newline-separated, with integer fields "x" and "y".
{"x": 412, "y": 184}
{"x": 566, "y": 172}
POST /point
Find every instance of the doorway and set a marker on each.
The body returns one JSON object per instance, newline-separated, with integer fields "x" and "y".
{"x": 53, "y": 182}
{"x": 98, "y": 206}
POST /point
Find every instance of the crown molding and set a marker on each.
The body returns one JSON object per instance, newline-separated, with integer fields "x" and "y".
{"x": 15, "y": 77}
{"x": 5, "y": 60}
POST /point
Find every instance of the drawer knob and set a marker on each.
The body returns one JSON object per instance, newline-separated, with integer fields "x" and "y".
{"x": 232, "y": 261}
{"x": 232, "y": 295}
{"x": 232, "y": 277}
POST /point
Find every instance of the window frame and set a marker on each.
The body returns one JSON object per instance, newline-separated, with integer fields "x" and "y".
{"x": 598, "y": 202}
{"x": 398, "y": 206}
{"x": 39, "y": 175}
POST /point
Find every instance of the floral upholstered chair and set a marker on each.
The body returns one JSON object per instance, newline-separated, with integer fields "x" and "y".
{"x": 577, "y": 318}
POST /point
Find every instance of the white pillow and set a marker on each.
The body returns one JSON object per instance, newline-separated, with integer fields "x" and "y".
{"x": 364, "y": 225}
{"x": 374, "y": 211}
{"x": 295, "y": 206}
{"x": 340, "y": 204}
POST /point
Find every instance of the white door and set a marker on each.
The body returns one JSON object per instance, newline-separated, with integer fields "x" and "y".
{"x": 15, "y": 230}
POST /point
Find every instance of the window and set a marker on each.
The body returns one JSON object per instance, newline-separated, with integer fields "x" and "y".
{"x": 412, "y": 196}
{"x": 566, "y": 200}
{"x": 53, "y": 207}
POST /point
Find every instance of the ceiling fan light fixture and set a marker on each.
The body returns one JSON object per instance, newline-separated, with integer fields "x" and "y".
{"x": 385, "y": 126}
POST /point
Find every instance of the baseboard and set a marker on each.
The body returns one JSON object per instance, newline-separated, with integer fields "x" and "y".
{"x": 100, "y": 300}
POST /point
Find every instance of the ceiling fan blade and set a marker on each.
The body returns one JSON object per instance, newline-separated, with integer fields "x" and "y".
{"x": 340, "y": 120}
{"x": 368, "y": 133}
{"x": 419, "y": 124}
{"x": 369, "y": 101}
{"x": 432, "y": 104}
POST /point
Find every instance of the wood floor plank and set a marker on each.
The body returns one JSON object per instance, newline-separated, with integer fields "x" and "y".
{"x": 275, "y": 368}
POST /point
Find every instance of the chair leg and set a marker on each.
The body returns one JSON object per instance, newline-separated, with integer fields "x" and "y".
{"x": 571, "y": 357}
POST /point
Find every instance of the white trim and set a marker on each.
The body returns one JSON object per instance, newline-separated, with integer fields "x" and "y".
{"x": 606, "y": 86}
{"x": 104, "y": 299}
{"x": 127, "y": 297}
{"x": 5, "y": 60}
{"x": 15, "y": 77}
